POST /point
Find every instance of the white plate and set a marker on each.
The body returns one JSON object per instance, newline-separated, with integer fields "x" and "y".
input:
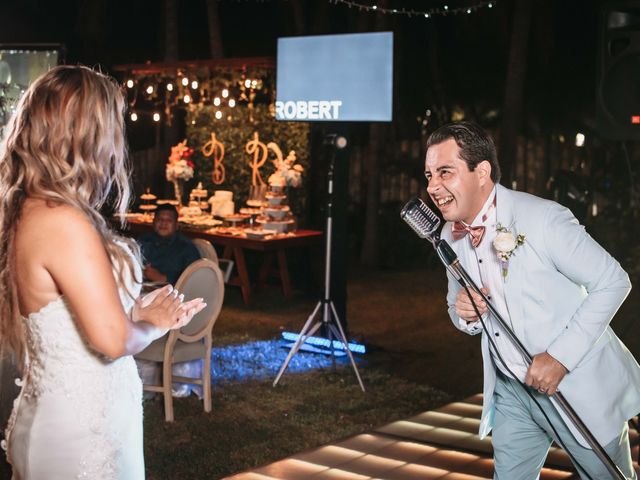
{"x": 259, "y": 232}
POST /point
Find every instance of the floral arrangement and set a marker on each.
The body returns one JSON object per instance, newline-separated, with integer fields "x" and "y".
{"x": 505, "y": 244}
{"x": 288, "y": 173}
{"x": 180, "y": 166}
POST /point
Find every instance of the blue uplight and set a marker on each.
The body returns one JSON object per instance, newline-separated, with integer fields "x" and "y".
{"x": 324, "y": 342}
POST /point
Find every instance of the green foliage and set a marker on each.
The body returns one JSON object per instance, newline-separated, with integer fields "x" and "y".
{"x": 234, "y": 133}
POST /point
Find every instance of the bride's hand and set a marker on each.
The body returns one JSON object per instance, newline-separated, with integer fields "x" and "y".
{"x": 189, "y": 309}
{"x": 161, "y": 308}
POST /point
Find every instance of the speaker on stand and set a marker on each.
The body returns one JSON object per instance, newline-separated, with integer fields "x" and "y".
{"x": 618, "y": 71}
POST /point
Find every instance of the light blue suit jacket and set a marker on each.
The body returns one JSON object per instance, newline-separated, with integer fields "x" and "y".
{"x": 562, "y": 290}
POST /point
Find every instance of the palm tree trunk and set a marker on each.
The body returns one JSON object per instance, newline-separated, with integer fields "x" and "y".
{"x": 213, "y": 22}
{"x": 370, "y": 255}
{"x": 171, "y": 30}
{"x": 514, "y": 87}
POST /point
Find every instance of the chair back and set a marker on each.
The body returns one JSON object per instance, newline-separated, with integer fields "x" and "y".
{"x": 206, "y": 249}
{"x": 202, "y": 278}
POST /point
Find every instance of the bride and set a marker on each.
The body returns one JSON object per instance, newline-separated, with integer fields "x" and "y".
{"x": 70, "y": 308}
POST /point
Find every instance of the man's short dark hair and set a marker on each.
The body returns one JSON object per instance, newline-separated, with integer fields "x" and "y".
{"x": 167, "y": 207}
{"x": 475, "y": 144}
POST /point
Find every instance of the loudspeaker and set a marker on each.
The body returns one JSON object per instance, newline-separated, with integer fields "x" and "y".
{"x": 618, "y": 71}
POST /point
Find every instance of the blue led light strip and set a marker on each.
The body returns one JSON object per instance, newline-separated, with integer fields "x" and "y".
{"x": 323, "y": 342}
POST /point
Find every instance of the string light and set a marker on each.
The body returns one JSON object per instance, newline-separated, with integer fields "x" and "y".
{"x": 154, "y": 95}
{"x": 432, "y": 12}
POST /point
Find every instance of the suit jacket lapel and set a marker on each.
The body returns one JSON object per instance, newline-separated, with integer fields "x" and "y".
{"x": 505, "y": 214}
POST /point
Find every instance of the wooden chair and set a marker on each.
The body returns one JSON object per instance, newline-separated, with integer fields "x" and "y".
{"x": 208, "y": 251}
{"x": 202, "y": 278}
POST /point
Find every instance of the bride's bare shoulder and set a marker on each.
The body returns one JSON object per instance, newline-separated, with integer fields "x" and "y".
{"x": 47, "y": 219}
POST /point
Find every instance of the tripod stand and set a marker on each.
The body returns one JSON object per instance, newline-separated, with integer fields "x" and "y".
{"x": 330, "y": 319}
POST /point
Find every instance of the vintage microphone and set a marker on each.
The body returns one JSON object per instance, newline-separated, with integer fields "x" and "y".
{"x": 425, "y": 223}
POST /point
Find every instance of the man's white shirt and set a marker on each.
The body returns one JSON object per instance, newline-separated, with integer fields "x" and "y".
{"x": 491, "y": 277}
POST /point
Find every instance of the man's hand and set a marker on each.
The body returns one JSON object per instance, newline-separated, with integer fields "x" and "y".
{"x": 464, "y": 308}
{"x": 545, "y": 373}
{"x": 153, "y": 274}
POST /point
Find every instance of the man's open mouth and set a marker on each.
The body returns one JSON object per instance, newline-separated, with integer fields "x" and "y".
{"x": 442, "y": 201}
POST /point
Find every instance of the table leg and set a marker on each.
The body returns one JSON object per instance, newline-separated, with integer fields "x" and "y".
{"x": 265, "y": 270}
{"x": 284, "y": 273}
{"x": 245, "y": 283}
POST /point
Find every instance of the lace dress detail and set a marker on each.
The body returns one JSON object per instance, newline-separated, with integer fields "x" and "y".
{"x": 93, "y": 402}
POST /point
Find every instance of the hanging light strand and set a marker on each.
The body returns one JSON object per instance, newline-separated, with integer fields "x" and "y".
{"x": 432, "y": 12}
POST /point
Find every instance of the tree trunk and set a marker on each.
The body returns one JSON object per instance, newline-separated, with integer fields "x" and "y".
{"x": 514, "y": 87}
{"x": 370, "y": 255}
{"x": 215, "y": 37}
{"x": 170, "y": 30}
{"x": 298, "y": 17}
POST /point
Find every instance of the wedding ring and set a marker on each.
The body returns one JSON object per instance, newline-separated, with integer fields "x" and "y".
{"x": 542, "y": 390}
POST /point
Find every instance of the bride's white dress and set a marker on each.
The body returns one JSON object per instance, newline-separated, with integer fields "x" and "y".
{"x": 79, "y": 414}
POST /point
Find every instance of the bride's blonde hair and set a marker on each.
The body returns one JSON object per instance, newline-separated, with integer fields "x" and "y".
{"x": 65, "y": 144}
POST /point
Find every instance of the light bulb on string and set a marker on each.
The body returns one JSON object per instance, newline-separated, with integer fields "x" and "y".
{"x": 170, "y": 87}
{"x": 134, "y": 117}
{"x": 149, "y": 89}
{"x": 247, "y": 83}
{"x": 218, "y": 114}
{"x": 194, "y": 84}
{"x": 130, "y": 83}
{"x": 186, "y": 99}
{"x": 156, "y": 117}
{"x": 216, "y": 101}
{"x": 185, "y": 81}
{"x": 232, "y": 102}
{"x": 225, "y": 93}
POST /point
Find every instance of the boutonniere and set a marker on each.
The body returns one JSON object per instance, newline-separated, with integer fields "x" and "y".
{"x": 505, "y": 244}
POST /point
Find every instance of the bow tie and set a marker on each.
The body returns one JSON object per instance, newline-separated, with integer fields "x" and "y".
{"x": 460, "y": 230}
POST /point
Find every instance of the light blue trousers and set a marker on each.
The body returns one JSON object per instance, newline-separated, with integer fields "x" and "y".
{"x": 522, "y": 436}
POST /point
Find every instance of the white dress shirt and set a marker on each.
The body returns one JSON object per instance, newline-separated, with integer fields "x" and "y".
{"x": 493, "y": 280}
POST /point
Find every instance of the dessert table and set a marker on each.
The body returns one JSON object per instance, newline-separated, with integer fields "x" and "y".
{"x": 234, "y": 243}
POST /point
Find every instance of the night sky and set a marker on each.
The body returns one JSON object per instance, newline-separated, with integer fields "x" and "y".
{"x": 467, "y": 52}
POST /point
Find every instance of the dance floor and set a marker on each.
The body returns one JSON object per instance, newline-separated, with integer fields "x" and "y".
{"x": 440, "y": 444}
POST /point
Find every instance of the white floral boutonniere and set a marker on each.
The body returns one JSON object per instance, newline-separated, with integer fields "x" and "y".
{"x": 505, "y": 244}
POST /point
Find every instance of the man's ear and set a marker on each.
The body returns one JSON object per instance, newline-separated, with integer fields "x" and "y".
{"x": 484, "y": 171}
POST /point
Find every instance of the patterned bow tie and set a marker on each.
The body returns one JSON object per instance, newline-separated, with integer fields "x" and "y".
{"x": 460, "y": 230}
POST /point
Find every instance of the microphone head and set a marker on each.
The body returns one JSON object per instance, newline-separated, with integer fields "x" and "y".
{"x": 421, "y": 218}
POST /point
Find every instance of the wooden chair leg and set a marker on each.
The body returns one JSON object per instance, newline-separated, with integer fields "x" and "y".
{"x": 166, "y": 385}
{"x": 206, "y": 381}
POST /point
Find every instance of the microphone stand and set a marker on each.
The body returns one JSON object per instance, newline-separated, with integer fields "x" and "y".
{"x": 451, "y": 262}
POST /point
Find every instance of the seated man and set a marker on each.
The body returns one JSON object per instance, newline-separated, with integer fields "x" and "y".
{"x": 166, "y": 253}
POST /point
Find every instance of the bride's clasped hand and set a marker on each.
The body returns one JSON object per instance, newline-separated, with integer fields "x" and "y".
{"x": 165, "y": 308}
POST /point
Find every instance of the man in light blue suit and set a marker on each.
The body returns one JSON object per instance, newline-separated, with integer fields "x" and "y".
{"x": 558, "y": 291}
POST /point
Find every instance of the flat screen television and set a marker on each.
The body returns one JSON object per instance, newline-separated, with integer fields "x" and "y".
{"x": 335, "y": 78}
{"x": 19, "y": 66}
